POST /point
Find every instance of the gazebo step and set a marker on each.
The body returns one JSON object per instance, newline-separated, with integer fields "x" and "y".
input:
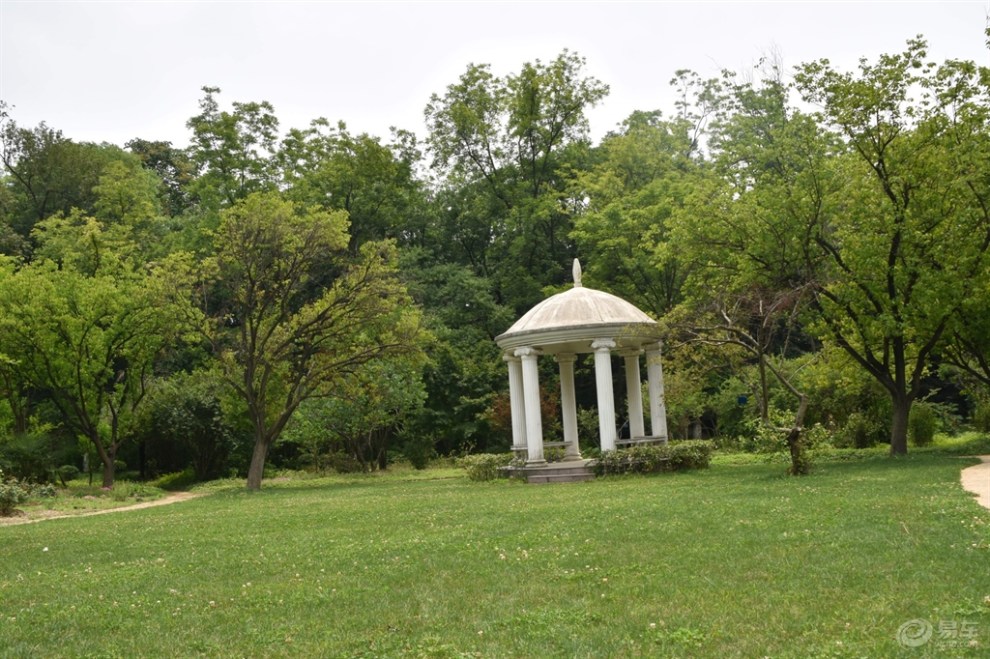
{"x": 571, "y": 477}
{"x": 556, "y": 472}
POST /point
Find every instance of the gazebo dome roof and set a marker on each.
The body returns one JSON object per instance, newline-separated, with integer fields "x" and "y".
{"x": 572, "y": 320}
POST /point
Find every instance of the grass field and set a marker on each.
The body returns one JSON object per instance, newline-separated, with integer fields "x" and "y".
{"x": 738, "y": 560}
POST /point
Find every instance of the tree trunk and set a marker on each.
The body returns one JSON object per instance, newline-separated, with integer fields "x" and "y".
{"x": 764, "y": 387}
{"x": 899, "y": 424}
{"x": 108, "y": 473}
{"x": 800, "y": 465}
{"x": 257, "y": 468}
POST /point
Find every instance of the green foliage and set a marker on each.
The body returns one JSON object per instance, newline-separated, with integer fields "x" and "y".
{"x": 91, "y": 339}
{"x": 297, "y": 315}
{"x": 639, "y": 179}
{"x": 344, "y": 463}
{"x": 506, "y": 146}
{"x": 859, "y": 431}
{"x": 47, "y": 174}
{"x": 175, "y": 481}
{"x": 922, "y": 424}
{"x": 981, "y": 416}
{"x": 11, "y": 494}
{"x": 126, "y": 490}
{"x": 32, "y": 456}
{"x": 651, "y": 459}
{"x": 232, "y": 150}
{"x": 485, "y": 466}
{"x": 419, "y": 450}
{"x": 374, "y": 183}
{"x": 68, "y": 473}
{"x": 903, "y": 243}
{"x": 184, "y": 424}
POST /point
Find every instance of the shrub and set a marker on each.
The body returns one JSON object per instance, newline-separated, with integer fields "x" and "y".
{"x": 981, "y": 416}
{"x": 419, "y": 450}
{"x": 695, "y": 454}
{"x": 922, "y": 424}
{"x": 860, "y": 431}
{"x": 344, "y": 463}
{"x": 68, "y": 473}
{"x": 676, "y": 456}
{"x": 484, "y": 466}
{"x": 11, "y": 494}
{"x": 40, "y": 490}
{"x": 124, "y": 490}
{"x": 178, "y": 480}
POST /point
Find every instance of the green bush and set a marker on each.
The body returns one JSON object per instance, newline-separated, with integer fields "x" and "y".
{"x": 124, "y": 490}
{"x": 419, "y": 450}
{"x": 11, "y": 494}
{"x": 981, "y": 416}
{"x": 484, "y": 466}
{"x": 344, "y": 463}
{"x": 860, "y": 431}
{"x": 40, "y": 490}
{"x": 693, "y": 454}
{"x": 179, "y": 480}
{"x": 922, "y": 424}
{"x": 68, "y": 473}
{"x": 676, "y": 456}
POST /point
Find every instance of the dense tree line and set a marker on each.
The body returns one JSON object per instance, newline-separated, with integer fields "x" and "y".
{"x": 816, "y": 245}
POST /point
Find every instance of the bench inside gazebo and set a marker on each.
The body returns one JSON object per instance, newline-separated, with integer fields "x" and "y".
{"x": 576, "y": 322}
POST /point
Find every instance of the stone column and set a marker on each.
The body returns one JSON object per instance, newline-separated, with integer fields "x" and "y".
{"x": 531, "y": 396}
{"x": 516, "y": 402}
{"x": 658, "y": 408}
{"x": 634, "y": 393}
{"x": 568, "y": 406}
{"x": 606, "y": 398}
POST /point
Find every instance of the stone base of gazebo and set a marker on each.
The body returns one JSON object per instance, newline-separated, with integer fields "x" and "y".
{"x": 636, "y": 441}
{"x": 573, "y": 471}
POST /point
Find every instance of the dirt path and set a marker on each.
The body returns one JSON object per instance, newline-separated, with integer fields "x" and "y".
{"x": 976, "y": 479}
{"x": 42, "y": 515}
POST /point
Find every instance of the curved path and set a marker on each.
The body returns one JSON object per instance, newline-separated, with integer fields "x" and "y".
{"x": 165, "y": 500}
{"x": 976, "y": 480}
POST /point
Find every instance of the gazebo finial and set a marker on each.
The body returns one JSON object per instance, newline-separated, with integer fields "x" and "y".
{"x": 577, "y": 273}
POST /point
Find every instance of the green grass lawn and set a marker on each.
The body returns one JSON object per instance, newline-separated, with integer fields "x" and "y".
{"x": 739, "y": 560}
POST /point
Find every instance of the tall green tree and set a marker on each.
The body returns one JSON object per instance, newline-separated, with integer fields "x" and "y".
{"x": 640, "y": 177}
{"x": 174, "y": 170}
{"x": 280, "y": 340}
{"x": 45, "y": 173}
{"x": 742, "y": 234}
{"x": 374, "y": 182}
{"x": 89, "y": 340}
{"x": 232, "y": 151}
{"x": 907, "y": 242}
{"x": 504, "y": 147}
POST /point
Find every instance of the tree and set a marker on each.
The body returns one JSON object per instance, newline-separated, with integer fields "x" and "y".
{"x": 373, "y": 182}
{"x": 89, "y": 340}
{"x": 174, "y": 170}
{"x": 505, "y": 146}
{"x": 48, "y": 174}
{"x": 741, "y": 234}
{"x": 279, "y": 340}
{"x": 232, "y": 151}
{"x": 907, "y": 238}
{"x": 363, "y": 415}
{"x": 641, "y": 176}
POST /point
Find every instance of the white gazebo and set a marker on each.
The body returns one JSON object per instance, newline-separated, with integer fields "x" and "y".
{"x": 580, "y": 321}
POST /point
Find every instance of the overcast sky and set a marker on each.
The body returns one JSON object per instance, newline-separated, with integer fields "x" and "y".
{"x": 112, "y": 71}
